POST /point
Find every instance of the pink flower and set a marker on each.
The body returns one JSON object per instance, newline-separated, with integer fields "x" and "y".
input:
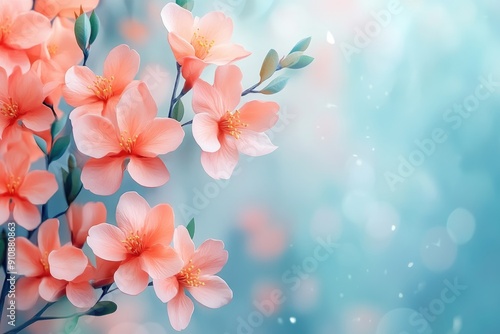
{"x": 135, "y": 135}
{"x": 67, "y": 8}
{"x": 82, "y": 218}
{"x": 197, "y": 42}
{"x": 20, "y": 29}
{"x": 140, "y": 243}
{"x": 51, "y": 270}
{"x": 96, "y": 94}
{"x": 21, "y": 100}
{"x": 197, "y": 276}
{"x": 222, "y": 131}
{"x": 24, "y": 189}
{"x": 105, "y": 271}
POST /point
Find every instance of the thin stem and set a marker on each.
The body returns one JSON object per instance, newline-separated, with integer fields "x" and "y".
{"x": 34, "y": 319}
{"x": 51, "y": 108}
{"x": 251, "y": 89}
{"x": 61, "y": 213}
{"x": 173, "y": 99}
{"x": 187, "y": 123}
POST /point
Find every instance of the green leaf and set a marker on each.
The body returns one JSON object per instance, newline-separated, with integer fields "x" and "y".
{"x": 191, "y": 228}
{"x": 269, "y": 65}
{"x": 60, "y": 146}
{"x": 94, "y": 27}
{"x": 178, "y": 111}
{"x": 70, "y": 325}
{"x": 41, "y": 144}
{"x": 187, "y": 4}
{"x": 102, "y": 308}
{"x": 82, "y": 31}
{"x": 301, "y": 45}
{"x": 303, "y": 62}
{"x": 72, "y": 184}
{"x": 57, "y": 126}
{"x": 71, "y": 162}
{"x": 291, "y": 59}
{"x": 275, "y": 86}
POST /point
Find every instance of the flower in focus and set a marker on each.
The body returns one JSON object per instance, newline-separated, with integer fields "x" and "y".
{"x": 221, "y": 130}
{"x": 50, "y": 271}
{"x": 21, "y": 191}
{"x": 21, "y": 102}
{"x": 20, "y": 29}
{"x": 99, "y": 94}
{"x": 82, "y": 218}
{"x": 104, "y": 273}
{"x": 66, "y": 8}
{"x": 197, "y": 276}
{"x": 135, "y": 135}
{"x": 140, "y": 243}
{"x": 197, "y": 42}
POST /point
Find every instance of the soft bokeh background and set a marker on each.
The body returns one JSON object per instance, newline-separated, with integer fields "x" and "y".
{"x": 405, "y": 226}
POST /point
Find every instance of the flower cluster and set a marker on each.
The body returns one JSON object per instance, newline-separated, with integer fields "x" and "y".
{"x": 114, "y": 125}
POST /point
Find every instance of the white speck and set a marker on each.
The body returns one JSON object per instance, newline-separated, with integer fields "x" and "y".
{"x": 329, "y": 38}
{"x": 280, "y": 321}
{"x": 361, "y": 78}
{"x": 438, "y": 243}
{"x": 341, "y": 295}
{"x": 367, "y": 270}
{"x": 291, "y": 245}
{"x": 368, "y": 97}
{"x": 355, "y": 155}
{"x": 386, "y": 93}
{"x": 373, "y": 148}
{"x": 410, "y": 264}
{"x": 377, "y": 107}
{"x": 331, "y": 105}
{"x": 457, "y": 324}
{"x": 393, "y": 227}
{"x": 293, "y": 320}
{"x": 370, "y": 87}
{"x": 367, "y": 137}
{"x": 359, "y": 162}
{"x": 385, "y": 272}
{"x": 349, "y": 276}
{"x": 322, "y": 137}
{"x": 317, "y": 126}
{"x": 400, "y": 295}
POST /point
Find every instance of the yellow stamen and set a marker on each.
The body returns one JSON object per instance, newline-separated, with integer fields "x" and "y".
{"x": 133, "y": 243}
{"x": 45, "y": 261}
{"x": 189, "y": 276}
{"x": 127, "y": 142}
{"x": 103, "y": 87}
{"x": 201, "y": 44}
{"x": 13, "y": 184}
{"x": 5, "y": 28}
{"x": 231, "y": 124}
{"x": 52, "y": 48}
{"x": 10, "y": 109}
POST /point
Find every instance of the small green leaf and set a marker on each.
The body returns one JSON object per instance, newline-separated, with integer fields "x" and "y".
{"x": 82, "y": 31}
{"x": 71, "y": 162}
{"x": 187, "y": 4}
{"x": 72, "y": 184}
{"x": 57, "y": 126}
{"x": 269, "y": 65}
{"x": 301, "y": 45}
{"x": 70, "y": 325}
{"x": 102, "y": 308}
{"x": 94, "y": 27}
{"x": 41, "y": 144}
{"x": 60, "y": 146}
{"x": 275, "y": 86}
{"x": 178, "y": 111}
{"x": 191, "y": 228}
{"x": 291, "y": 59}
{"x": 303, "y": 62}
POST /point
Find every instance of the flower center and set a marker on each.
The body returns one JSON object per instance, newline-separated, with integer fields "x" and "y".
{"x": 44, "y": 260}
{"x": 4, "y": 28}
{"x": 13, "y": 184}
{"x": 103, "y": 87}
{"x": 201, "y": 44}
{"x": 10, "y": 109}
{"x": 133, "y": 243}
{"x": 189, "y": 276}
{"x": 231, "y": 124}
{"x": 127, "y": 142}
{"x": 52, "y": 48}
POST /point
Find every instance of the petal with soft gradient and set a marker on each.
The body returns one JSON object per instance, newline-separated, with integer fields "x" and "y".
{"x": 4, "y": 209}
{"x": 105, "y": 240}
{"x": 162, "y": 136}
{"x": 130, "y": 278}
{"x": 28, "y": 258}
{"x": 26, "y": 214}
{"x": 220, "y": 164}
{"x": 161, "y": 261}
{"x": 226, "y": 53}
{"x": 27, "y": 292}
{"x": 67, "y": 262}
{"x": 122, "y": 63}
{"x": 135, "y": 110}
{"x": 228, "y": 82}
{"x": 131, "y": 212}
{"x": 78, "y": 80}
{"x": 148, "y": 172}
{"x": 38, "y": 187}
{"x": 210, "y": 257}
{"x": 103, "y": 176}
{"x": 259, "y": 116}
{"x": 215, "y": 26}
{"x": 27, "y": 30}
{"x": 81, "y": 294}
{"x": 26, "y": 90}
{"x": 192, "y": 67}
{"x": 180, "y": 309}
{"x": 183, "y": 244}
{"x": 38, "y": 119}
{"x": 166, "y": 289}
{"x": 48, "y": 236}
{"x": 11, "y": 58}
{"x": 206, "y": 99}
{"x": 214, "y": 293}
{"x": 81, "y": 219}
{"x": 95, "y": 136}
{"x": 180, "y": 47}
{"x": 206, "y": 132}
{"x": 254, "y": 143}
{"x": 178, "y": 20}
{"x": 159, "y": 225}
{"x": 52, "y": 289}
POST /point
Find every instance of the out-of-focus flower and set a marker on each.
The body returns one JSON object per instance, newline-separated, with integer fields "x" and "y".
{"x": 140, "y": 243}
{"x": 66, "y": 8}
{"x": 21, "y": 101}
{"x": 99, "y": 95}
{"x": 135, "y": 135}
{"x": 197, "y": 42}
{"x": 81, "y": 218}
{"x": 21, "y": 191}
{"x": 197, "y": 276}
{"x": 50, "y": 271}
{"x": 20, "y": 29}
{"x": 222, "y": 131}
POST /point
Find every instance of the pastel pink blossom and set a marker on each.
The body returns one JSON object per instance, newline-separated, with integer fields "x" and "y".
{"x": 21, "y": 103}
{"x": 197, "y": 276}
{"x": 139, "y": 242}
{"x": 104, "y": 273}
{"x": 81, "y": 218}
{"x": 221, "y": 130}
{"x": 99, "y": 94}
{"x": 133, "y": 140}
{"x": 197, "y": 42}
{"x": 21, "y": 191}
{"x": 20, "y": 29}
{"x": 66, "y": 8}
{"x": 51, "y": 271}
